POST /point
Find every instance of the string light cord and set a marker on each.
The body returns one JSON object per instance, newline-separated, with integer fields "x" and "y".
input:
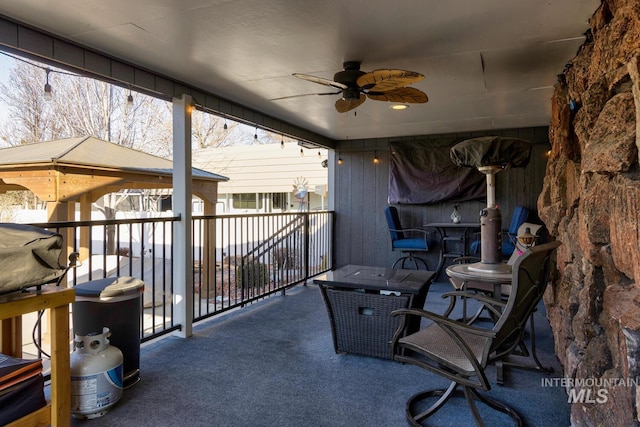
{"x": 42, "y": 67}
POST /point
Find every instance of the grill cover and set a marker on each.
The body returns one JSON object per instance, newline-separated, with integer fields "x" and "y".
{"x": 491, "y": 151}
{"x": 29, "y": 256}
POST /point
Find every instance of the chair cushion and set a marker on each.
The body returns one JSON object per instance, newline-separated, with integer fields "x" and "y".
{"x": 507, "y": 248}
{"x": 436, "y": 343}
{"x": 415, "y": 243}
{"x": 519, "y": 216}
{"x": 393, "y": 221}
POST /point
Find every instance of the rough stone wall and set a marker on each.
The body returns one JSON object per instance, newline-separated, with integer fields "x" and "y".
{"x": 591, "y": 202}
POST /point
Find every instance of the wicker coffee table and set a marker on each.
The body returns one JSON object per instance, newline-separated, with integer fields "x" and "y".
{"x": 360, "y": 299}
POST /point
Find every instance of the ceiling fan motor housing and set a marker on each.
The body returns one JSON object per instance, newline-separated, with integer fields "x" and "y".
{"x": 349, "y": 77}
{"x": 351, "y": 94}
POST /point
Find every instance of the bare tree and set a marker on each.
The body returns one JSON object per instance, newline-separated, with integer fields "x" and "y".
{"x": 30, "y": 117}
{"x": 209, "y": 130}
{"x": 84, "y": 106}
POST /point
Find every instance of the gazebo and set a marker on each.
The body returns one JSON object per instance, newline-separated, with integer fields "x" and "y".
{"x": 81, "y": 170}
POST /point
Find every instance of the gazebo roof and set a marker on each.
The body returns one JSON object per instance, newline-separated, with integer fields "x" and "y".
{"x": 89, "y": 151}
{"x": 67, "y": 169}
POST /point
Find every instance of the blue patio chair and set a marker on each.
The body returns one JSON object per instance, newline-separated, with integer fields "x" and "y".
{"x": 509, "y": 237}
{"x": 407, "y": 240}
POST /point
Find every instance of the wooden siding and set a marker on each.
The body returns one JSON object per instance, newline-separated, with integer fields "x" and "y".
{"x": 263, "y": 168}
{"x": 361, "y": 194}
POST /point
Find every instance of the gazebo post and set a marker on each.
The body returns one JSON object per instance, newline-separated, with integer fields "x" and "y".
{"x": 85, "y": 232}
{"x": 208, "y": 193}
{"x": 62, "y": 211}
{"x": 209, "y": 245}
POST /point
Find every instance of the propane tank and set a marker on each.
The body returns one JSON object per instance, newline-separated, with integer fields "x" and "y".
{"x": 491, "y": 235}
{"x": 96, "y": 375}
{"x": 490, "y": 243}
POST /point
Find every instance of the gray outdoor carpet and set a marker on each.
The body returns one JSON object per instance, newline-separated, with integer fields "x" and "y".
{"x": 273, "y": 364}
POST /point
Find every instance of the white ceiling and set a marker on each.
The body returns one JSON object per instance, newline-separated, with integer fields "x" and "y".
{"x": 488, "y": 64}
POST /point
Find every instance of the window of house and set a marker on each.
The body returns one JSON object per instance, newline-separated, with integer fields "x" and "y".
{"x": 279, "y": 200}
{"x": 246, "y": 201}
{"x": 166, "y": 203}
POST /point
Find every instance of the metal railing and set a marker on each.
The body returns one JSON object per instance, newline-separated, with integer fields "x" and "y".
{"x": 255, "y": 256}
{"x": 238, "y": 259}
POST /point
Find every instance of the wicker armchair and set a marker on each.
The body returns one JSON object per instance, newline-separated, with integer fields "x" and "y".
{"x": 460, "y": 352}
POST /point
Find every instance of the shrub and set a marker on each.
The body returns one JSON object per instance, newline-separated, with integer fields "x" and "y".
{"x": 284, "y": 258}
{"x": 252, "y": 274}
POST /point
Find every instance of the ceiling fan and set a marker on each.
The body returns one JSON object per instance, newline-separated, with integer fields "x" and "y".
{"x": 380, "y": 85}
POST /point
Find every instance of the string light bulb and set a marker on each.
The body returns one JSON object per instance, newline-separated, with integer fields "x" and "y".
{"x": 281, "y": 142}
{"x": 319, "y": 155}
{"x": 301, "y": 153}
{"x": 130, "y": 98}
{"x": 375, "y": 158}
{"x": 47, "y": 86}
{"x": 339, "y": 160}
{"x": 225, "y": 127}
{"x": 255, "y": 135}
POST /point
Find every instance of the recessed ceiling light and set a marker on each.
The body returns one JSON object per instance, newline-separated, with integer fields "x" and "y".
{"x": 399, "y": 107}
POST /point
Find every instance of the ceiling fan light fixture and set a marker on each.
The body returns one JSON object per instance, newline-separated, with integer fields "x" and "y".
{"x": 399, "y": 106}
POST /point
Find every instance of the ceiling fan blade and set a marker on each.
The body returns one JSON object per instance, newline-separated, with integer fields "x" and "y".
{"x": 386, "y": 80}
{"x": 320, "y": 80}
{"x": 305, "y": 94}
{"x": 344, "y": 105}
{"x": 408, "y": 95}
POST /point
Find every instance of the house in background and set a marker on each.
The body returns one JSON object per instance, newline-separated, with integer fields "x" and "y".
{"x": 266, "y": 178}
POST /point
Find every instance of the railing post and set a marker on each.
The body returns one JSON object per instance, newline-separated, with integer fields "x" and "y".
{"x": 307, "y": 252}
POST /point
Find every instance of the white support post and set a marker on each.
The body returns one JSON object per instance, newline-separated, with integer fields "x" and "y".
{"x": 182, "y": 253}
{"x": 331, "y": 182}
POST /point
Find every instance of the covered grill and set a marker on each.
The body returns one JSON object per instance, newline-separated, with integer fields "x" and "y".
{"x": 29, "y": 256}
